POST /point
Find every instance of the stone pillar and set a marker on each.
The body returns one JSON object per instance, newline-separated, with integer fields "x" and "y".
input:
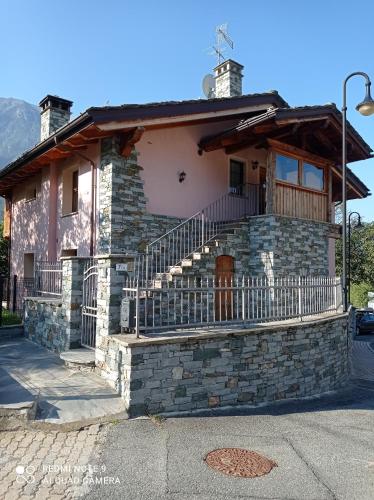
{"x": 112, "y": 273}
{"x": 122, "y": 204}
{"x": 72, "y": 281}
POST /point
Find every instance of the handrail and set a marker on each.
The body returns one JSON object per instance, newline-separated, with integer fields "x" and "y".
{"x": 194, "y": 233}
{"x": 174, "y": 228}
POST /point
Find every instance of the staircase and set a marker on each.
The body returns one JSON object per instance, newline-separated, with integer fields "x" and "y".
{"x": 183, "y": 249}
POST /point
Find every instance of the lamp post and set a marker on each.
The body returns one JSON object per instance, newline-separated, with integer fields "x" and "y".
{"x": 366, "y": 108}
{"x": 359, "y": 224}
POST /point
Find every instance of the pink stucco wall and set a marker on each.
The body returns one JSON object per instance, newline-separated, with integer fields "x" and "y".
{"x": 29, "y": 222}
{"x": 31, "y": 231}
{"x": 164, "y": 153}
{"x": 73, "y": 231}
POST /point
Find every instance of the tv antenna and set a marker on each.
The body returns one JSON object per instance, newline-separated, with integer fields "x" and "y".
{"x": 222, "y": 38}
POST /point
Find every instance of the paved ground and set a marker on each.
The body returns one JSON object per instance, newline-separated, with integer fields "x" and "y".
{"x": 27, "y": 371}
{"x": 47, "y": 465}
{"x": 324, "y": 449}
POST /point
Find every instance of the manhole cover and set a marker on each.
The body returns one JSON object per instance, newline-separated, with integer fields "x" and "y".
{"x": 239, "y": 462}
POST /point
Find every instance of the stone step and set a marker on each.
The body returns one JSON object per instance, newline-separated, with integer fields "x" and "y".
{"x": 196, "y": 256}
{"x": 175, "y": 270}
{"x": 81, "y": 359}
{"x": 186, "y": 263}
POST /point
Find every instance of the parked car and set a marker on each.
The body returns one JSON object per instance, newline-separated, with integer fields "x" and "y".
{"x": 365, "y": 321}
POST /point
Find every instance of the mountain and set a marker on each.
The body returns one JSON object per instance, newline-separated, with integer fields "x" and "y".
{"x": 19, "y": 128}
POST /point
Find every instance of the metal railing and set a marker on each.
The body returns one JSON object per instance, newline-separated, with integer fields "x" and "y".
{"x": 48, "y": 278}
{"x": 194, "y": 233}
{"x": 17, "y": 288}
{"x": 190, "y": 303}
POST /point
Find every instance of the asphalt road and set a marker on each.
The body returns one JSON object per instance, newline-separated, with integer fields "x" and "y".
{"x": 324, "y": 449}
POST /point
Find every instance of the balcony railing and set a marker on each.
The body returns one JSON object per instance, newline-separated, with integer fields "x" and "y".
{"x": 48, "y": 278}
{"x": 205, "y": 302}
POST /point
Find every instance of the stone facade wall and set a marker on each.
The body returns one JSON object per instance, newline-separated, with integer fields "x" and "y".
{"x": 286, "y": 246}
{"x": 51, "y": 120}
{"x": 264, "y": 364}
{"x": 45, "y": 323}
{"x": 234, "y": 243}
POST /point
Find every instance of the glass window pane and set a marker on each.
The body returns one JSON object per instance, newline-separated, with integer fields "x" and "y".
{"x": 312, "y": 176}
{"x": 236, "y": 176}
{"x": 287, "y": 169}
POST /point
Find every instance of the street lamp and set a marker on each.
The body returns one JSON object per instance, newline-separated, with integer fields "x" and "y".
{"x": 366, "y": 108}
{"x": 359, "y": 224}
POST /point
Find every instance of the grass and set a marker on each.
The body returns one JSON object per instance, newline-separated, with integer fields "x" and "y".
{"x": 10, "y": 318}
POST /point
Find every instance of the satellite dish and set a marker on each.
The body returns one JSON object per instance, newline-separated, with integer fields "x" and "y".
{"x": 209, "y": 86}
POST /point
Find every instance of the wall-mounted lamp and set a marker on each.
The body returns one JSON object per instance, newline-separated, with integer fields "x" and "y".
{"x": 254, "y": 164}
{"x": 182, "y": 176}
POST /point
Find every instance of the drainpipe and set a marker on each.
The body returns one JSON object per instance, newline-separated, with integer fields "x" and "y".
{"x": 52, "y": 221}
{"x": 93, "y": 193}
{"x": 10, "y": 209}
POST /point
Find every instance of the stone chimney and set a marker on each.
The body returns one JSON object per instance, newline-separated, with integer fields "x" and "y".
{"x": 54, "y": 113}
{"x": 228, "y": 76}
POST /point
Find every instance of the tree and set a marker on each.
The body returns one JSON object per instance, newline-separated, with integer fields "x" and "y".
{"x": 361, "y": 258}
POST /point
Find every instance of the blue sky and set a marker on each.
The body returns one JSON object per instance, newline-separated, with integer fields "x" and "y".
{"x": 120, "y": 51}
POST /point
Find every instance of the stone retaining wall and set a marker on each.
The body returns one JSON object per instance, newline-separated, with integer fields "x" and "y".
{"x": 263, "y": 364}
{"x": 45, "y": 323}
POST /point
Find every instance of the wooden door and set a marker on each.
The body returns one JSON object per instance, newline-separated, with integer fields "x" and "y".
{"x": 224, "y": 279}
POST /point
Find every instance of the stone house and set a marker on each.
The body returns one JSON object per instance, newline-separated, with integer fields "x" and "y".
{"x": 224, "y": 187}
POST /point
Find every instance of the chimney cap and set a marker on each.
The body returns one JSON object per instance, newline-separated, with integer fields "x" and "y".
{"x": 54, "y": 101}
{"x": 230, "y": 61}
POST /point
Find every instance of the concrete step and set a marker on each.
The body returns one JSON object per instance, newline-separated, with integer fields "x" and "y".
{"x": 81, "y": 359}
{"x": 11, "y": 331}
{"x": 196, "y": 256}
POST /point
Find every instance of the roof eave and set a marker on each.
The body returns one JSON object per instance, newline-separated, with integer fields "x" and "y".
{"x": 61, "y": 134}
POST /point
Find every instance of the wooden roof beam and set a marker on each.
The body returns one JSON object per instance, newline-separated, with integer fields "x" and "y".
{"x": 129, "y": 139}
{"x": 287, "y": 121}
{"x": 319, "y": 160}
{"x": 322, "y": 137}
{"x": 249, "y": 142}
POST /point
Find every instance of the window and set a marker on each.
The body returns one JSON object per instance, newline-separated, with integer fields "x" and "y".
{"x": 74, "y": 194}
{"x": 236, "y": 177}
{"x": 28, "y": 265}
{"x": 69, "y": 252}
{"x": 70, "y": 191}
{"x": 30, "y": 191}
{"x": 299, "y": 172}
{"x": 312, "y": 176}
{"x": 287, "y": 169}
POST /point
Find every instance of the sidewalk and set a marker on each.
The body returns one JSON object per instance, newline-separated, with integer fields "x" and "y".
{"x": 29, "y": 372}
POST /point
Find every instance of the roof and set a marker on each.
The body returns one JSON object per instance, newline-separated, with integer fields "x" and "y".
{"x": 136, "y": 112}
{"x": 323, "y": 120}
{"x": 102, "y": 121}
{"x": 174, "y": 108}
{"x": 284, "y": 113}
